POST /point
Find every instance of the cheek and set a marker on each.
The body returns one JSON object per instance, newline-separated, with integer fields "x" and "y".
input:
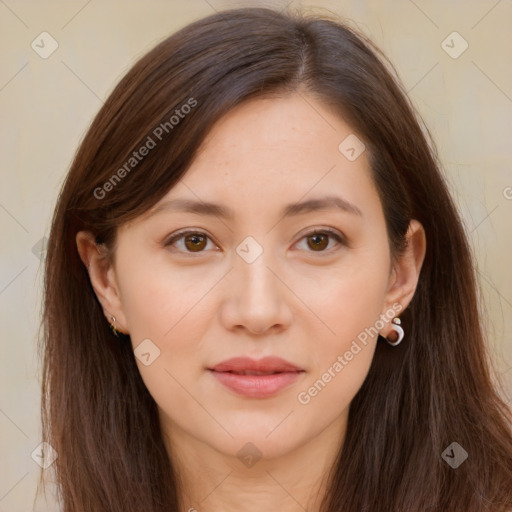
{"x": 346, "y": 300}
{"x": 170, "y": 308}
{"x": 330, "y": 391}
{"x": 342, "y": 358}
{"x": 158, "y": 298}
{"x": 349, "y": 307}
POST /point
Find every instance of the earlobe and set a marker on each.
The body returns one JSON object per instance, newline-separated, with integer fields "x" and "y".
{"x": 101, "y": 274}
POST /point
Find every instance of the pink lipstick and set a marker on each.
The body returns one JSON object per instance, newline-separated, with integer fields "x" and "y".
{"x": 256, "y": 378}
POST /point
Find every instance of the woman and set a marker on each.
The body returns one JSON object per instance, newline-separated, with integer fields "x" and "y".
{"x": 259, "y": 293}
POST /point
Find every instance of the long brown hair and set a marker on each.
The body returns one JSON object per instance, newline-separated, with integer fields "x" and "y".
{"x": 434, "y": 389}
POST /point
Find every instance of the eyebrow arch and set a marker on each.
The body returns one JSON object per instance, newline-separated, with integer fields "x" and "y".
{"x": 293, "y": 209}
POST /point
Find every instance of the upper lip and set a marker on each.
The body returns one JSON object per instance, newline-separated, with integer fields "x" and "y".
{"x": 267, "y": 364}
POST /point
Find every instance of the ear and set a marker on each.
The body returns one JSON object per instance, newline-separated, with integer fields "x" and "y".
{"x": 406, "y": 271}
{"x": 98, "y": 262}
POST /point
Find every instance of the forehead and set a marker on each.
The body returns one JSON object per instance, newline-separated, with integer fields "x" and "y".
{"x": 289, "y": 144}
{"x": 289, "y": 127}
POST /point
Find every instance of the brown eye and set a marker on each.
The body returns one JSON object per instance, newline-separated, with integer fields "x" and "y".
{"x": 195, "y": 242}
{"x": 189, "y": 242}
{"x": 318, "y": 241}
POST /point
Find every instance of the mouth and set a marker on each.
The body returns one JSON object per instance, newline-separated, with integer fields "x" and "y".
{"x": 249, "y": 372}
{"x": 256, "y": 379}
{"x": 266, "y": 366}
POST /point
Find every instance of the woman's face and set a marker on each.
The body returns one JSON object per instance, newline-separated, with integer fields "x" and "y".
{"x": 259, "y": 283}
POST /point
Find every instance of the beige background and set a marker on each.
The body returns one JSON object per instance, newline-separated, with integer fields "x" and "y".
{"x": 46, "y": 106}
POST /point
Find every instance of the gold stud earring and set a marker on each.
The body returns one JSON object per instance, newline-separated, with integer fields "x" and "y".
{"x": 113, "y": 326}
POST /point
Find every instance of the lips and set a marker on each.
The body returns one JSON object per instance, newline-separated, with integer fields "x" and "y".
{"x": 256, "y": 379}
{"x": 248, "y": 366}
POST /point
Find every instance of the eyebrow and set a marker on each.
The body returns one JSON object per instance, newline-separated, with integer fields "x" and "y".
{"x": 293, "y": 209}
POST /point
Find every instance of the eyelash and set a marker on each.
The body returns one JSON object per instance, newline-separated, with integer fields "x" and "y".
{"x": 325, "y": 231}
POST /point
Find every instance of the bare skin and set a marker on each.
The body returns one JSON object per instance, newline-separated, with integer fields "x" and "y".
{"x": 303, "y": 299}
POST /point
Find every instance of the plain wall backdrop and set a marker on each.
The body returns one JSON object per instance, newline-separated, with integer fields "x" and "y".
{"x": 46, "y": 105}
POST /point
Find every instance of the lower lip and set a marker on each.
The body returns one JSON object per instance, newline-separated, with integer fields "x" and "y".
{"x": 257, "y": 386}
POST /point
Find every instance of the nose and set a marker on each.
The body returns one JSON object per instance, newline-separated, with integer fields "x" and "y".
{"x": 255, "y": 298}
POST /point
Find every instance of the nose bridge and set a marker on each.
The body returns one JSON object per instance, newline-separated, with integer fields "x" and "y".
{"x": 256, "y": 298}
{"x": 251, "y": 268}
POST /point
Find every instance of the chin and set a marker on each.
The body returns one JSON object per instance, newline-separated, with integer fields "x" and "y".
{"x": 250, "y": 447}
